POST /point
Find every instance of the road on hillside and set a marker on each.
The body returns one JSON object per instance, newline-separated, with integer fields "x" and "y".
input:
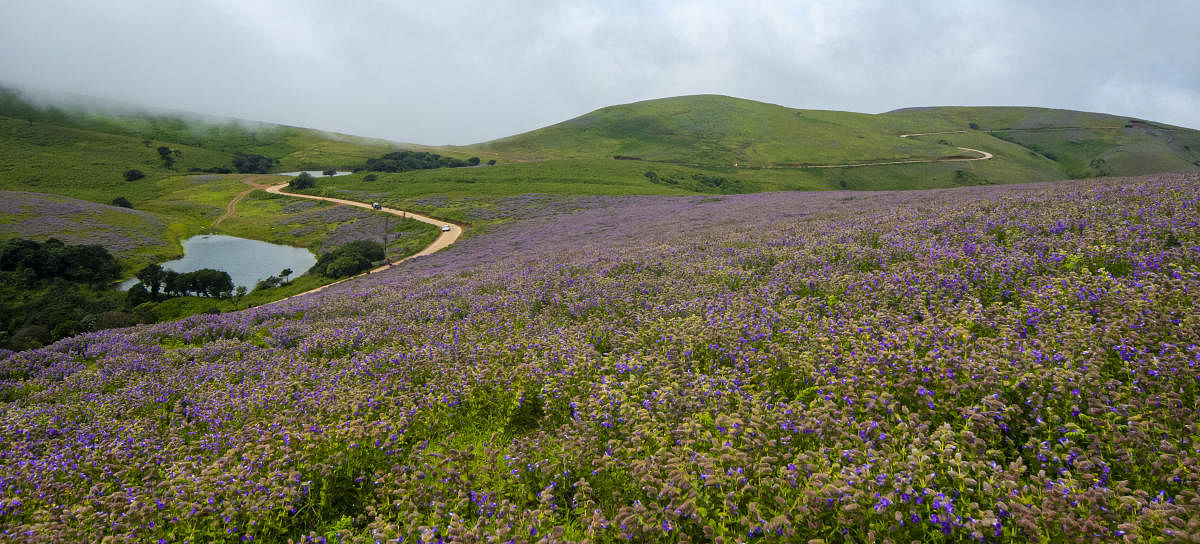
{"x": 444, "y": 240}
{"x": 231, "y": 208}
{"x": 983, "y": 156}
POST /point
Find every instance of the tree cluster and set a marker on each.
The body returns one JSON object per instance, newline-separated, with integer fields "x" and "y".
{"x": 32, "y": 261}
{"x": 52, "y": 290}
{"x": 701, "y": 183}
{"x": 252, "y": 163}
{"x": 349, "y": 259}
{"x": 168, "y": 155}
{"x": 274, "y": 281}
{"x": 403, "y": 161}
{"x": 303, "y": 181}
{"x": 155, "y": 283}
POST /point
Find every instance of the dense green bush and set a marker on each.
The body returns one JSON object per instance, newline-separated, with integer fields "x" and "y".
{"x": 47, "y": 289}
{"x": 348, "y": 259}
{"x": 403, "y": 161}
{"x": 303, "y": 181}
{"x": 252, "y": 163}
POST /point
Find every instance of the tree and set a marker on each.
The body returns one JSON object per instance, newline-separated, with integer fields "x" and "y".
{"x": 473, "y": 161}
{"x": 172, "y": 283}
{"x": 346, "y": 265}
{"x": 136, "y": 296}
{"x": 348, "y": 259}
{"x": 330, "y": 172}
{"x": 492, "y": 162}
{"x": 164, "y": 153}
{"x": 133, "y": 175}
{"x": 151, "y": 277}
{"x": 284, "y": 274}
{"x": 269, "y": 283}
{"x": 303, "y": 181}
{"x": 251, "y": 163}
{"x": 122, "y": 202}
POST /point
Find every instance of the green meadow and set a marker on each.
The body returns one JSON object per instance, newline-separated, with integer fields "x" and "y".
{"x": 674, "y": 146}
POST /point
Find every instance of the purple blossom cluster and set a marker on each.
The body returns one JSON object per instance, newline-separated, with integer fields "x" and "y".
{"x": 996, "y": 364}
{"x": 539, "y": 205}
{"x": 40, "y": 216}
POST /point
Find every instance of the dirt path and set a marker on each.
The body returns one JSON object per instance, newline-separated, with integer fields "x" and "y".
{"x": 984, "y": 155}
{"x": 231, "y": 208}
{"x": 445, "y": 239}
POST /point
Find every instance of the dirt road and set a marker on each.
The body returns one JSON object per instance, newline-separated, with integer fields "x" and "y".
{"x": 231, "y": 208}
{"x": 984, "y": 155}
{"x": 445, "y": 239}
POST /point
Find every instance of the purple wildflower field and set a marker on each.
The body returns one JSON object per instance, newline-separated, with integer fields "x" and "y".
{"x": 40, "y": 216}
{"x": 993, "y": 364}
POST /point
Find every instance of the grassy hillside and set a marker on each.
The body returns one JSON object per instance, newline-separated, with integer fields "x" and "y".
{"x": 295, "y": 148}
{"x": 719, "y": 131}
{"x": 135, "y": 237}
{"x": 682, "y": 145}
{"x": 83, "y": 153}
{"x": 1081, "y": 144}
{"x": 988, "y": 364}
{"x": 716, "y": 131}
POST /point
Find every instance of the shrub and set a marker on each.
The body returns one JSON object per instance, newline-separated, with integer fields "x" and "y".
{"x": 134, "y": 175}
{"x": 122, "y": 202}
{"x": 251, "y": 163}
{"x": 349, "y": 259}
{"x": 303, "y": 181}
{"x": 347, "y": 265}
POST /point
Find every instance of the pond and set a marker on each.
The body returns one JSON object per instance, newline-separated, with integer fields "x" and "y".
{"x": 246, "y": 261}
{"x": 315, "y": 174}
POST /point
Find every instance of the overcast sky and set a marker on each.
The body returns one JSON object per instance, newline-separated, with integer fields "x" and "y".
{"x": 452, "y": 72}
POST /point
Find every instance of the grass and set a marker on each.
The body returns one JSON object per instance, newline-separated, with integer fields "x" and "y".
{"x": 82, "y": 154}
{"x": 180, "y": 307}
{"x": 717, "y": 131}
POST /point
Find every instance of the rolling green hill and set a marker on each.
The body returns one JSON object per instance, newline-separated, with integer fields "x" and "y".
{"x": 610, "y": 150}
{"x": 716, "y": 131}
{"x": 681, "y": 145}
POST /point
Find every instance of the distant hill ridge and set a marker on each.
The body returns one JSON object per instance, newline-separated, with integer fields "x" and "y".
{"x": 709, "y": 135}
{"x": 719, "y": 130}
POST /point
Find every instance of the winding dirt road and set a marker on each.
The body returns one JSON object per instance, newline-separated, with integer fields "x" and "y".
{"x": 984, "y": 155}
{"x": 444, "y": 240}
{"x": 231, "y": 208}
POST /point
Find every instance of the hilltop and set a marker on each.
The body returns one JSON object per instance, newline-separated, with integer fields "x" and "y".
{"x": 718, "y": 131}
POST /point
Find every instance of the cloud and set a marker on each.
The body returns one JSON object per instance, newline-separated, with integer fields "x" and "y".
{"x": 462, "y": 72}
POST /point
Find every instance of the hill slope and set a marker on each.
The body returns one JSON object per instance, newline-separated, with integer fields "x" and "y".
{"x": 1018, "y": 362}
{"x": 219, "y": 138}
{"x": 716, "y": 131}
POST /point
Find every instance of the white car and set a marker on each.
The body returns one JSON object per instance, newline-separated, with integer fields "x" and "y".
{"x": 445, "y": 228}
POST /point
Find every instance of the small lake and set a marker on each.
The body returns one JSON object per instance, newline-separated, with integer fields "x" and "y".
{"x": 246, "y": 261}
{"x": 315, "y": 174}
